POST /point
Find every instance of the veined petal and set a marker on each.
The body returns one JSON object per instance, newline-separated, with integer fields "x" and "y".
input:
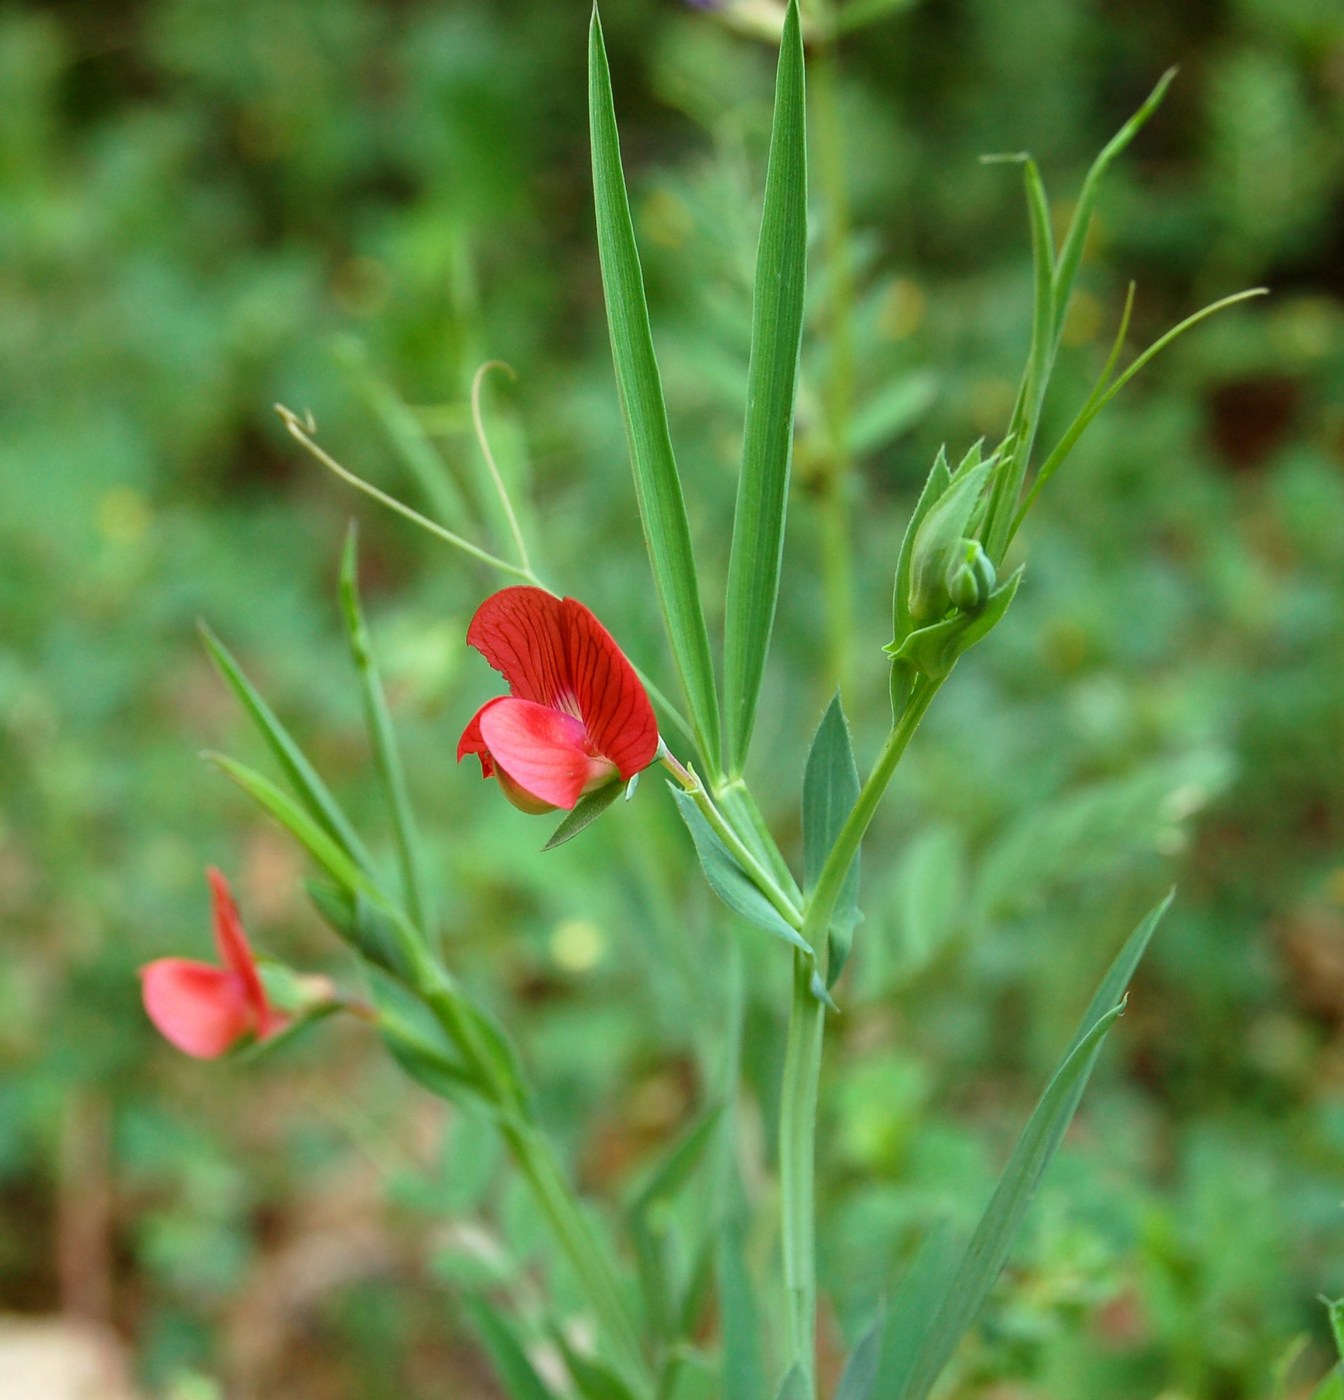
{"x": 611, "y": 698}
{"x": 542, "y": 750}
{"x": 521, "y": 633}
{"x": 200, "y": 1009}
{"x": 234, "y": 950}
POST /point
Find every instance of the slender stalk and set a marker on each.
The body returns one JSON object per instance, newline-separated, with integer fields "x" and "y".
{"x": 484, "y": 443}
{"x": 797, "y": 1166}
{"x": 302, "y": 431}
{"x": 802, "y": 1058}
{"x": 387, "y": 757}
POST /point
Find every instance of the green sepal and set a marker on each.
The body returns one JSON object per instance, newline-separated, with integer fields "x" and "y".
{"x": 940, "y": 538}
{"x": 586, "y": 811}
{"x": 933, "y": 651}
{"x": 302, "y": 1022}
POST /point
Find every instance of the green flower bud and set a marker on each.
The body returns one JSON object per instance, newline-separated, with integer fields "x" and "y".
{"x": 971, "y": 578}
{"x": 942, "y": 553}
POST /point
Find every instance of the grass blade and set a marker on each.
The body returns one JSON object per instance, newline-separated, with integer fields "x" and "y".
{"x": 860, "y": 1373}
{"x": 662, "y": 508}
{"x": 311, "y": 791}
{"x": 772, "y": 384}
{"x": 386, "y": 756}
{"x": 515, "y": 1370}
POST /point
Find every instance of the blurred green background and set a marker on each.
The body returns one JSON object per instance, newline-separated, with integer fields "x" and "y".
{"x": 208, "y": 207}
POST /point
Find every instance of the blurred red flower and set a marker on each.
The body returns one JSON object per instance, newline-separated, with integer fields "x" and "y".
{"x": 577, "y": 716}
{"x": 205, "y": 1010}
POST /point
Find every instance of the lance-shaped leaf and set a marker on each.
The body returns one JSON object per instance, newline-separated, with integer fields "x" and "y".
{"x": 662, "y": 508}
{"x": 729, "y": 881}
{"x": 521, "y": 1379}
{"x": 772, "y": 383}
{"x": 988, "y": 1250}
{"x": 743, "y": 1372}
{"x": 830, "y": 790}
{"x": 302, "y": 777}
{"x": 586, "y": 811}
{"x": 860, "y": 1373}
{"x": 386, "y": 754}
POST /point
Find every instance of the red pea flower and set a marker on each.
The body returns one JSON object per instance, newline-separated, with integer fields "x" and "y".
{"x": 205, "y": 1010}
{"x": 577, "y": 716}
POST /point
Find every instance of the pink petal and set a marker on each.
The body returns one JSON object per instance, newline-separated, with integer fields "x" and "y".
{"x": 472, "y": 741}
{"x": 234, "y": 950}
{"x": 611, "y": 698}
{"x": 521, "y": 633}
{"x": 202, "y": 1010}
{"x": 541, "y": 750}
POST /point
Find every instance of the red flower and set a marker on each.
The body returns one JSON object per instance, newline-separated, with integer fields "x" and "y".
{"x": 205, "y": 1010}
{"x": 577, "y": 716}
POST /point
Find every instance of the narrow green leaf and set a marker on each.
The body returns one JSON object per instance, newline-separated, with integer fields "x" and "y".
{"x": 830, "y": 790}
{"x": 662, "y": 508}
{"x": 595, "y": 1380}
{"x": 418, "y": 1044}
{"x": 586, "y": 811}
{"x": 311, "y": 791}
{"x": 772, "y": 384}
{"x": 386, "y": 755}
{"x": 1332, "y": 1387}
{"x": 362, "y": 924}
{"x": 794, "y": 1385}
{"x": 860, "y": 1373}
{"x": 998, "y": 1227}
{"x": 729, "y": 881}
{"x": 743, "y": 1372}
{"x": 675, "y": 1167}
{"x": 517, "y": 1373}
{"x": 917, "y": 1297}
{"x": 1071, "y": 252}
{"x": 313, "y": 837}
{"x": 989, "y": 1246}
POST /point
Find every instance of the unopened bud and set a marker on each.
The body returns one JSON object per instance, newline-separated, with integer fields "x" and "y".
{"x": 971, "y": 578}
{"x": 942, "y": 554}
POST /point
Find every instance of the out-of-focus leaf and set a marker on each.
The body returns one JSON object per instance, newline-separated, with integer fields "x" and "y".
{"x": 657, "y": 484}
{"x": 830, "y": 790}
{"x": 311, "y": 791}
{"x": 860, "y": 1373}
{"x": 793, "y": 1386}
{"x": 772, "y": 382}
{"x": 520, "y": 1377}
{"x": 595, "y": 1379}
{"x": 743, "y": 1372}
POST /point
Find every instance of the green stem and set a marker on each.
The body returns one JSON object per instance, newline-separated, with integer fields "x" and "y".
{"x": 802, "y": 1058}
{"x": 797, "y": 1167}
{"x": 532, "y": 1152}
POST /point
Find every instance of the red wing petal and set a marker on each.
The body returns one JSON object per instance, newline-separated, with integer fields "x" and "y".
{"x": 611, "y": 697}
{"x": 234, "y": 950}
{"x": 202, "y": 1010}
{"x": 473, "y": 741}
{"x": 521, "y": 633}
{"x": 540, "y": 749}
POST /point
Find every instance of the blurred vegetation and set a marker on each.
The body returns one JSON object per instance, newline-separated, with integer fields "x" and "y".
{"x": 208, "y": 207}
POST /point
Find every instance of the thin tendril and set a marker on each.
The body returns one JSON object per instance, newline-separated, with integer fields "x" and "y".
{"x": 478, "y": 423}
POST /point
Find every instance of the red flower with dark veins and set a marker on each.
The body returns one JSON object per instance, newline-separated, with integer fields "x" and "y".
{"x": 576, "y": 717}
{"x": 205, "y": 1010}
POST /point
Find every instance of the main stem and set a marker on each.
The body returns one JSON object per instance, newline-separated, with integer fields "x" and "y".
{"x": 802, "y": 1057}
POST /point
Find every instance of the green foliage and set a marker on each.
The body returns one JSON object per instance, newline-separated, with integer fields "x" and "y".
{"x": 204, "y": 207}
